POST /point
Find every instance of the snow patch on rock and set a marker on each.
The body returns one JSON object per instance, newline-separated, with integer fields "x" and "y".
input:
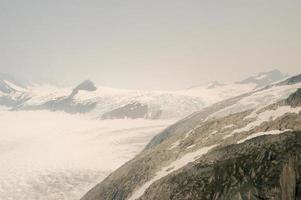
{"x": 175, "y": 165}
{"x": 272, "y": 132}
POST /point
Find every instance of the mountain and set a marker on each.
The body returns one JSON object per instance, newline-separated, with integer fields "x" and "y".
{"x": 245, "y": 147}
{"x": 110, "y": 103}
{"x": 12, "y": 92}
{"x": 216, "y": 91}
{"x": 67, "y": 104}
{"x": 264, "y": 78}
{"x": 8, "y": 84}
{"x": 87, "y": 85}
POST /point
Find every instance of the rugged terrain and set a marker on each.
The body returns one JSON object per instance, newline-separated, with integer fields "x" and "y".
{"x": 109, "y": 103}
{"x": 246, "y": 147}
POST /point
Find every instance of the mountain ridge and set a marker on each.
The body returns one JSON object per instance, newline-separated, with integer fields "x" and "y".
{"x": 269, "y": 114}
{"x": 109, "y": 103}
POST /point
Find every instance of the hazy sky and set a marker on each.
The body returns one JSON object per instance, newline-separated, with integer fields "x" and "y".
{"x": 153, "y": 44}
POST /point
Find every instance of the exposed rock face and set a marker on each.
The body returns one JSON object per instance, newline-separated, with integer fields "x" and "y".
{"x": 87, "y": 85}
{"x": 264, "y": 78}
{"x": 292, "y": 80}
{"x": 267, "y": 167}
{"x": 67, "y": 105}
{"x": 242, "y": 148}
{"x": 12, "y": 103}
{"x": 294, "y": 99}
{"x": 133, "y": 111}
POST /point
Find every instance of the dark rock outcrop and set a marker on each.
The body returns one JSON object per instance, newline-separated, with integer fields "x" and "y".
{"x": 87, "y": 85}
{"x": 264, "y": 78}
{"x": 67, "y": 103}
{"x": 294, "y": 99}
{"x": 266, "y": 167}
{"x": 132, "y": 111}
{"x": 292, "y": 80}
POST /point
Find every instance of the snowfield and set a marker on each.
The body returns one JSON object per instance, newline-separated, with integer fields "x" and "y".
{"x": 53, "y": 155}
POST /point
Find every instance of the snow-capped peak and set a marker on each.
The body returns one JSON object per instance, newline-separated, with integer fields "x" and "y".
{"x": 8, "y": 84}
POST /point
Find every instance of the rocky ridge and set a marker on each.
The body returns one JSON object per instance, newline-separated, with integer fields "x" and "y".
{"x": 211, "y": 153}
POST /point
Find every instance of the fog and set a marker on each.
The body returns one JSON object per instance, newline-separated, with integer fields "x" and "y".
{"x": 143, "y": 44}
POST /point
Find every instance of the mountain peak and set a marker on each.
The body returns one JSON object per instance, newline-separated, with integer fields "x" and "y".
{"x": 86, "y": 85}
{"x": 9, "y": 84}
{"x": 264, "y": 78}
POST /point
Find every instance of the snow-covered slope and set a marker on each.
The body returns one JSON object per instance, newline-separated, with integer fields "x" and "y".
{"x": 57, "y": 156}
{"x": 9, "y": 85}
{"x": 216, "y": 91}
{"x": 109, "y": 103}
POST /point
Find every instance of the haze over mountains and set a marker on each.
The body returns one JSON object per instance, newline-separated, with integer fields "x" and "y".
{"x": 58, "y": 143}
{"x": 109, "y": 103}
{"x": 150, "y": 100}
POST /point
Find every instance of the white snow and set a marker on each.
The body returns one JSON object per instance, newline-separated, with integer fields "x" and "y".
{"x": 53, "y": 155}
{"x": 229, "y": 126}
{"x": 14, "y": 86}
{"x": 272, "y": 132}
{"x": 214, "y": 95}
{"x": 261, "y": 77}
{"x": 175, "y": 165}
{"x": 188, "y": 134}
{"x": 172, "y": 104}
{"x": 40, "y": 94}
{"x": 258, "y": 100}
{"x": 267, "y": 115}
{"x": 191, "y": 146}
{"x": 175, "y": 144}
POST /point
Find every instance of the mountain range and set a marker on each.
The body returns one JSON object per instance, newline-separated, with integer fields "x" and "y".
{"x": 110, "y": 103}
{"x": 245, "y": 147}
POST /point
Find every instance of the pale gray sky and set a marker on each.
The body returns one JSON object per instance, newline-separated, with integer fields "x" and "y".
{"x": 152, "y": 44}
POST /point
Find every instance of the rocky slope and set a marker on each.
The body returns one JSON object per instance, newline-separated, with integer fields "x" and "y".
{"x": 246, "y": 147}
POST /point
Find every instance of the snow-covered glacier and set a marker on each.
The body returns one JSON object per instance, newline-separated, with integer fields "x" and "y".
{"x": 55, "y": 155}
{"x": 58, "y": 142}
